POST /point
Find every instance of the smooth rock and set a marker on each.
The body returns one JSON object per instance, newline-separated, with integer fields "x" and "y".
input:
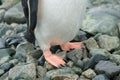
{"x": 108, "y": 42}
{"x": 36, "y": 54}
{"x": 4, "y": 30}
{"x": 2, "y": 12}
{"x": 117, "y": 77}
{"x": 65, "y": 77}
{"x": 23, "y": 50}
{"x": 75, "y": 55}
{"x": 41, "y": 71}
{"x": 70, "y": 63}
{"x": 79, "y": 63}
{"x": 6, "y": 66}
{"x": 115, "y": 58}
{"x": 94, "y": 60}
{"x": 1, "y": 72}
{"x": 98, "y": 2}
{"x": 89, "y": 74}
{"x": 77, "y": 70}
{"x": 4, "y": 76}
{"x": 23, "y": 76}
{"x": 15, "y": 14}
{"x": 20, "y": 28}
{"x": 48, "y": 66}
{"x": 83, "y": 78}
{"x": 51, "y": 73}
{"x": 81, "y": 36}
{"x": 4, "y": 55}
{"x": 117, "y": 52}
{"x": 2, "y": 43}
{"x": 7, "y": 4}
{"x": 108, "y": 68}
{"x": 62, "y": 54}
{"x": 97, "y": 21}
{"x": 44, "y": 78}
{"x": 14, "y": 61}
{"x": 91, "y": 43}
{"x": 28, "y": 69}
{"x": 100, "y": 51}
{"x": 100, "y": 77}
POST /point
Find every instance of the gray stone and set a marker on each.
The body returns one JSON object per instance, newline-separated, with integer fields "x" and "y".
{"x": 65, "y": 77}
{"x": 70, "y": 63}
{"x": 117, "y": 77}
{"x": 4, "y": 30}
{"x": 79, "y": 63}
{"x": 15, "y": 14}
{"x": 91, "y": 43}
{"x": 81, "y": 36}
{"x": 117, "y": 52}
{"x": 75, "y": 55}
{"x": 100, "y": 77}
{"x": 97, "y": 21}
{"x": 115, "y": 58}
{"x": 23, "y": 50}
{"x": 4, "y": 55}
{"x": 2, "y": 43}
{"x": 98, "y": 2}
{"x": 48, "y": 66}
{"x": 36, "y": 54}
{"x": 1, "y": 72}
{"x": 108, "y": 68}
{"x": 6, "y": 66}
{"x": 77, "y": 70}
{"x": 41, "y": 71}
{"x": 94, "y": 60}
{"x": 89, "y": 74}
{"x": 23, "y": 76}
{"x": 62, "y": 54}
{"x": 2, "y": 12}
{"x": 20, "y": 28}
{"x": 30, "y": 59}
{"x": 99, "y": 51}
{"x": 51, "y": 73}
{"x": 4, "y": 76}
{"x": 7, "y": 4}
{"x": 4, "y": 59}
{"x": 108, "y": 42}
{"x": 28, "y": 69}
{"x": 83, "y": 78}
{"x": 14, "y": 61}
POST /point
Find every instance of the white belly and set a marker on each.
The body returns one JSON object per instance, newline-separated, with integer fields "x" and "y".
{"x": 60, "y": 21}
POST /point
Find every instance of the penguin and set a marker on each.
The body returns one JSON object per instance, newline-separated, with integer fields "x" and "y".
{"x": 54, "y": 22}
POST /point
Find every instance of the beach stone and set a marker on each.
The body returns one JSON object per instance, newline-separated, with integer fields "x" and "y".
{"x": 89, "y": 74}
{"x": 15, "y": 14}
{"x": 108, "y": 42}
{"x": 28, "y": 69}
{"x": 108, "y": 68}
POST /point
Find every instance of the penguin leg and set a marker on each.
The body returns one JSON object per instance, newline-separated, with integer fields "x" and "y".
{"x": 53, "y": 59}
{"x": 71, "y": 45}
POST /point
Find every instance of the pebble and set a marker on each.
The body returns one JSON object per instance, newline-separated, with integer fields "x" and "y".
{"x": 108, "y": 68}
{"x": 89, "y": 74}
{"x": 100, "y": 77}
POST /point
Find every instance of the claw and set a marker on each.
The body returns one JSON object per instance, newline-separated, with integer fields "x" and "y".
{"x": 53, "y": 59}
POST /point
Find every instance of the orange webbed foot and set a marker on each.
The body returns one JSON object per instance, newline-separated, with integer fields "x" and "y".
{"x": 71, "y": 45}
{"x": 53, "y": 59}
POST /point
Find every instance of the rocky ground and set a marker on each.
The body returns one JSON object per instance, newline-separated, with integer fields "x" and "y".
{"x": 98, "y": 59}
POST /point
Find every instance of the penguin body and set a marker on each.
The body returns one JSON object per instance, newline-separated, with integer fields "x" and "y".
{"x": 54, "y": 22}
{"x": 59, "y": 22}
